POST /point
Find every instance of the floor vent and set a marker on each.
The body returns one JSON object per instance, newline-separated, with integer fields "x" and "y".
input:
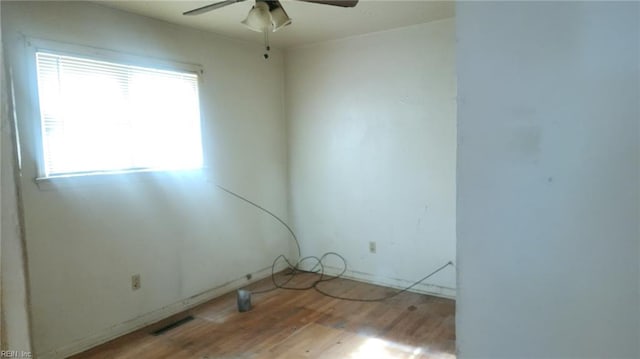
{"x": 175, "y": 324}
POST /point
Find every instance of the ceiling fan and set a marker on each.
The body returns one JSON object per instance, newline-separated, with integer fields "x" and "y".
{"x": 267, "y": 15}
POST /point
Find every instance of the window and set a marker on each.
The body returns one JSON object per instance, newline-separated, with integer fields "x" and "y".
{"x": 99, "y": 116}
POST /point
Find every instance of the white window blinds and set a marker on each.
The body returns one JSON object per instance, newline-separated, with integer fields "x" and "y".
{"x": 100, "y": 116}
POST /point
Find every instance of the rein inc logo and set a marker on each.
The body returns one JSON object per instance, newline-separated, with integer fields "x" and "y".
{"x": 15, "y": 354}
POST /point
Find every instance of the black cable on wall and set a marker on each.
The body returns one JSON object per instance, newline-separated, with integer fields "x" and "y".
{"x": 319, "y": 267}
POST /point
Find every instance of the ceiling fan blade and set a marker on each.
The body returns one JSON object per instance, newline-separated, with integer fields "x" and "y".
{"x": 206, "y": 8}
{"x": 342, "y": 3}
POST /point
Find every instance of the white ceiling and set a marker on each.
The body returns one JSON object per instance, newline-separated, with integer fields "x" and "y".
{"x": 311, "y": 22}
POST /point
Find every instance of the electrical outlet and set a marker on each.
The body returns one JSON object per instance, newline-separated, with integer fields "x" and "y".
{"x": 372, "y": 247}
{"x": 249, "y": 276}
{"x": 135, "y": 282}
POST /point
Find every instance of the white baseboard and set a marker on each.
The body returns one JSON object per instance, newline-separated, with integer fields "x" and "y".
{"x": 422, "y": 288}
{"x": 153, "y": 317}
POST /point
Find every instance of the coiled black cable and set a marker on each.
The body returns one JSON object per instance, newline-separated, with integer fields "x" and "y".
{"x": 295, "y": 268}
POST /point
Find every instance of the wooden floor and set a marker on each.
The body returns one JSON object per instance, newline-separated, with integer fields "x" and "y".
{"x": 301, "y": 324}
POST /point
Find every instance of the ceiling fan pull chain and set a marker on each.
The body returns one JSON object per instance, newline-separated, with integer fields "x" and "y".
{"x": 266, "y": 43}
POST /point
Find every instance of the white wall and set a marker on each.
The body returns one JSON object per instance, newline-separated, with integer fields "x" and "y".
{"x": 372, "y": 142}
{"x": 179, "y": 232}
{"x": 15, "y": 316}
{"x": 15, "y": 331}
{"x": 548, "y": 184}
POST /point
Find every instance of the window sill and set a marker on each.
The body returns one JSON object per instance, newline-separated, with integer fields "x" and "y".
{"x": 123, "y": 177}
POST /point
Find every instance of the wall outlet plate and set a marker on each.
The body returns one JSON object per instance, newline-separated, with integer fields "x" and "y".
{"x": 372, "y": 247}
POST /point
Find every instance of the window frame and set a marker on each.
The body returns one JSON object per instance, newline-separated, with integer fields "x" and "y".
{"x": 119, "y": 57}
